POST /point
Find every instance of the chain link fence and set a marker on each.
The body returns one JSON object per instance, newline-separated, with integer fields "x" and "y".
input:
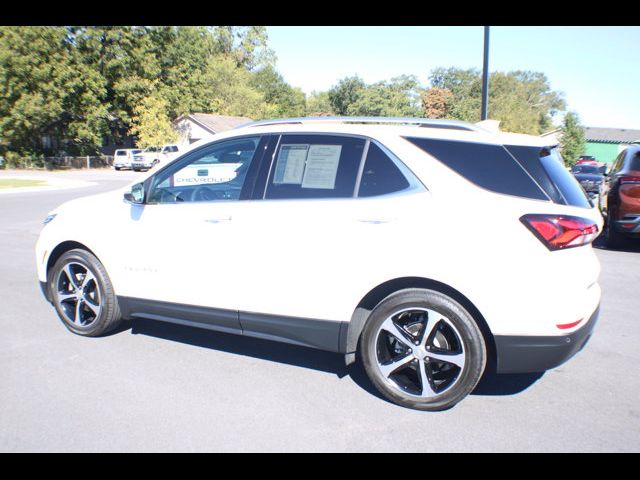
{"x": 57, "y": 163}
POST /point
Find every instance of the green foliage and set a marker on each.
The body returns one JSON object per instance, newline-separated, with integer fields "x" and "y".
{"x": 151, "y": 123}
{"x": 67, "y": 88}
{"x": 47, "y": 91}
{"x": 247, "y": 46}
{"x": 287, "y": 100}
{"x": 572, "y": 143}
{"x": 319, "y": 104}
{"x": 345, "y": 93}
{"x": 523, "y": 101}
{"x": 398, "y": 97}
{"x": 230, "y": 90}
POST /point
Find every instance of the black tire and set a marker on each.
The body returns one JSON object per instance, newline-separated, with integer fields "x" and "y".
{"x": 614, "y": 238}
{"x": 465, "y": 332}
{"x": 98, "y": 288}
{"x": 117, "y": 168}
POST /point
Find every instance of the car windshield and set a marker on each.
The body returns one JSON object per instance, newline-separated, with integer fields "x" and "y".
{"x": 135, "y": 152}
{"x": 586, "y": 169}
{"x": 120, "y": 152}
{"x": 151, "y": 149}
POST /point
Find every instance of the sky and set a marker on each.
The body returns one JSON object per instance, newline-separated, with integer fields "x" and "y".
{"x": 597, "y": 68}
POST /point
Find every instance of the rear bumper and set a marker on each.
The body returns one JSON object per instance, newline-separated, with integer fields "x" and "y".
{"x": 523, "y": 354}
{"x": 630, "y": 223}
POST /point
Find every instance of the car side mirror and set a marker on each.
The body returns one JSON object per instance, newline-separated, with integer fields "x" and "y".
{"x": 136, "y": 195}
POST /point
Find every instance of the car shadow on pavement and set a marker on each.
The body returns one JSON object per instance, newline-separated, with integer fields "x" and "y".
{"x": 630, "y": 246}
{"x": 490, "y": 383}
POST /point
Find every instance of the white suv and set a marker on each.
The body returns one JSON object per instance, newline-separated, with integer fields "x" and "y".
{"x": 430, "y": 248}
{"x": 123, "y": 158}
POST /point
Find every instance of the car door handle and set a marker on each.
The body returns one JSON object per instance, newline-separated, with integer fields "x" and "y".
{"x": 221, "y": 219}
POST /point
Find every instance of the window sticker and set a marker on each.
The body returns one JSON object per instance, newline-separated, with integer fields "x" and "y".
{"x": 290, "y": 165}
{"x": 322, "y": 166}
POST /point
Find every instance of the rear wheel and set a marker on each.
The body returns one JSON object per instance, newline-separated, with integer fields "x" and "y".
{"x": 82, "y": 294}
{"x": 423, "y": 350}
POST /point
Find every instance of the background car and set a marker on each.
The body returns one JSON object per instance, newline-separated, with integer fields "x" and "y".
{"x": 149, "y": 157}
{"x": 623, "y": 199}
{"x": 123, "y": 158}
{"x": 592, "y": 179}
{"x": 169, "y": 152}
{"x": 586, "y": 159}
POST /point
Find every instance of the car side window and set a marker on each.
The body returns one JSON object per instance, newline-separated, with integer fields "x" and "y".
{"x": 617, "y": 165}
{"x": 380, "y": 175}
{"x": 216, "y": 172}
{"x": 315, "y": 166}
{"x": 634, "y": 164}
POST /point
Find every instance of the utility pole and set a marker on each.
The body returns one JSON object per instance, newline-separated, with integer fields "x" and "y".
{"x": 485, "y": 77}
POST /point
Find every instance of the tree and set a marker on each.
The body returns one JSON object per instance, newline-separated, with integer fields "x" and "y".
{"x": 184, "y": 53}
{"x": 229, "y": 90}
{"x": 151, "y": 123}
{"x": 319, "y": 105}
{"x": 435, "y": 102}
{"x": 286, "y": 100}
{"x": 48, "y": 95}
{"x": 126, "y": 59}
{"x": 572, "y": 143}
{"x": 345, "y": 93}
{"x": 395, "y": 98}
{"x": 522, "y": 100}
{"x": 247, "y": 46}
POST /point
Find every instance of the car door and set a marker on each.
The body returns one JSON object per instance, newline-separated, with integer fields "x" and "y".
{"x": 316, "y": 243}
{"x": 185, "y": 254}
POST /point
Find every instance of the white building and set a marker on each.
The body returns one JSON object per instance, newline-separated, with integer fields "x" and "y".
{"x": 196, "y": 126}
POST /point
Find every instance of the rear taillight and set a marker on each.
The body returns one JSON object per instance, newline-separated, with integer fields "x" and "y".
{"x": 629, "y": 179}
{"x": 561, "y": 231}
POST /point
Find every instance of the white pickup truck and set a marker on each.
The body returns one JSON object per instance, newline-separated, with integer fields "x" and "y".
{"x": 151, "y": 156}
{"x": 146, "y": 159}
{"x": 123, "y": 158}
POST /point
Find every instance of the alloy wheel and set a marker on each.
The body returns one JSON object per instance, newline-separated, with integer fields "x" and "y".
{"x": 78, "y": 295}
{"x": 420, "y": 352}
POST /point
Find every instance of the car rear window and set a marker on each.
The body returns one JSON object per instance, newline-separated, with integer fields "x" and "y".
{"x": 547, "y": 167}
{"x": 488, "y": 166}
{"x": 635, "y": 162}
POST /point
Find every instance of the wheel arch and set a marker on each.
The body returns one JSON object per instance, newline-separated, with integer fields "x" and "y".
{"x": 61, "y": 249}
{"x": 360, "y": 315}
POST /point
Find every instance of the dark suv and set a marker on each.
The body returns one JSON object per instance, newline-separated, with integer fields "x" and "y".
{"x": 623, "y": 200}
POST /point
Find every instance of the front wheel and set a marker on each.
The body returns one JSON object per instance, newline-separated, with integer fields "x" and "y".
{"x": 423, "y": 350}
{"x": 82, "y": 294}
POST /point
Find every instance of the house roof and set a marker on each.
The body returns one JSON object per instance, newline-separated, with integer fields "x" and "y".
{"x": 216, "y": 123}
{"x": 611, "y": 135}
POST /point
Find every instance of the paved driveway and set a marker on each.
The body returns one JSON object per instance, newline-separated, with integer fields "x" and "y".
{"x": 158, "y": 387}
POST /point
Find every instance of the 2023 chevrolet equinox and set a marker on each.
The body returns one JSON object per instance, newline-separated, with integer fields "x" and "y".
{"x": 426, "y": 247}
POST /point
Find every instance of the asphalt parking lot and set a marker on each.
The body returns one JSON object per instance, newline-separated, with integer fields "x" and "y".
{"x": 159, "y": 387}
